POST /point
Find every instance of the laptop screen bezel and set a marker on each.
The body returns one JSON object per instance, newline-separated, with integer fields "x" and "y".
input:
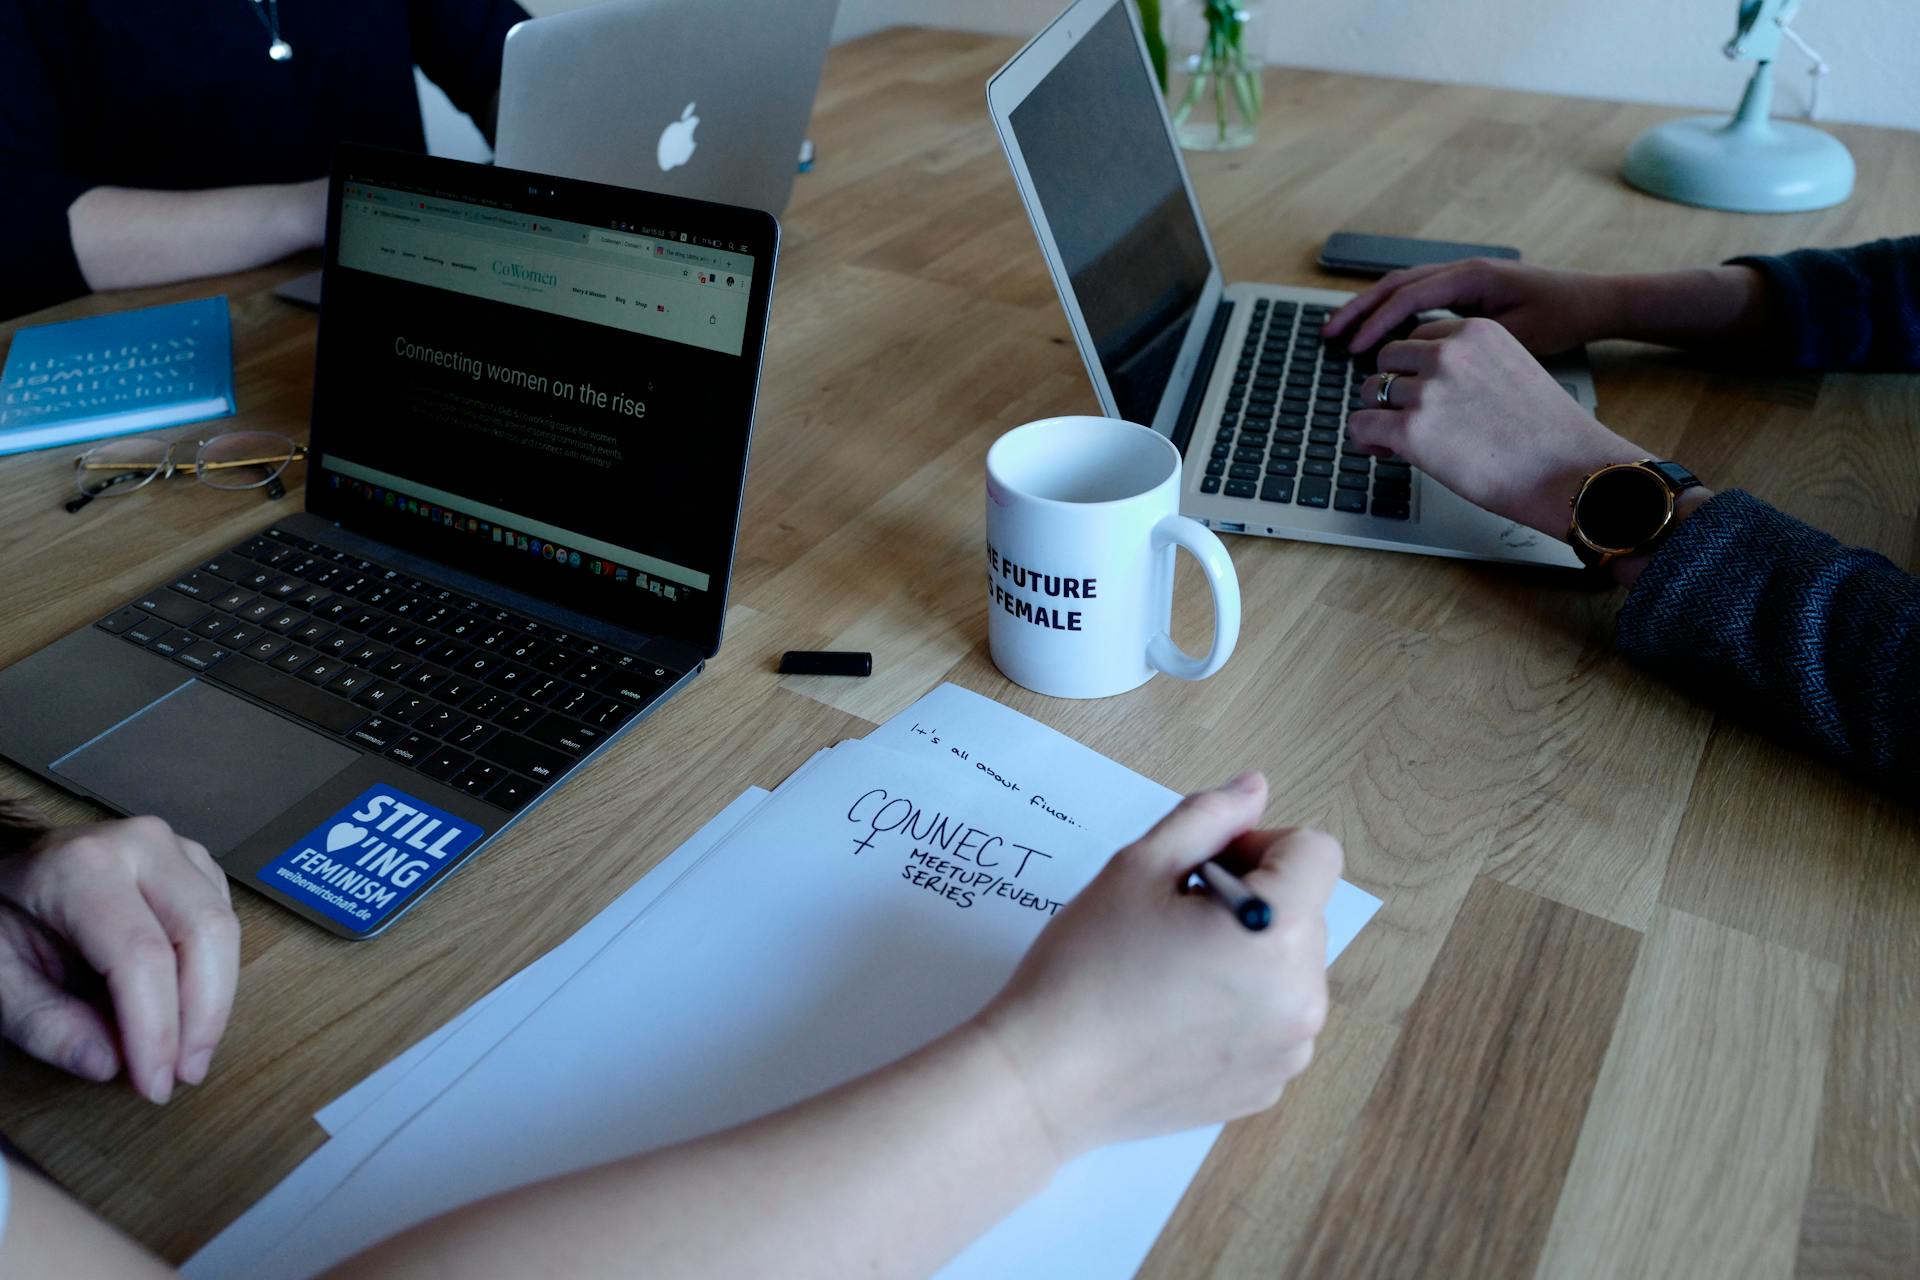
{"x": 1009, "y": 87}
{"x": 695, "y": 622}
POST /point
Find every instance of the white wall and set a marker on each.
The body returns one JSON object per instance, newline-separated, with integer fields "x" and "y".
{"x": 1665, "y": 51}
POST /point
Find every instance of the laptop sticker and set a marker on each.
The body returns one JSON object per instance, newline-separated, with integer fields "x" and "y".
{"x": 361, "y": 864}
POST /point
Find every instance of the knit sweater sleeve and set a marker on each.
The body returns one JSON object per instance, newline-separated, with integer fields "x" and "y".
{"x": 1778, "y": 621}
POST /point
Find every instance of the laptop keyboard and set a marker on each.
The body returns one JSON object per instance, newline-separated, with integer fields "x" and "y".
{"x": 478, "y": 697}
{"x": 1282, "y": 437}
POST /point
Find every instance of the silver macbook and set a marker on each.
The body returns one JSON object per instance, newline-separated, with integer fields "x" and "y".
{"x": 1234, "y": 374}
{"x": 665, "y": 96}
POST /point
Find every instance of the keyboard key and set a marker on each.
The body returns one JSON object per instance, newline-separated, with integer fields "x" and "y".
{"x": 439, "y": 721}
{"x": 171, "y": 642}
{"x": 377, "y": 694}
{"x": 1240, "y": 488}
{"x": 1348, "y": 500}
{"x": 609, "y": 715}
{"x": 169, "y": 607}
{"x": 378, "y": 733}
{"x": 1277, "y": 489}
{"x": 394, "y": 666}
{"x": 468, "y": 733}
{"x": 566, "y": 735}
{"x": 1314, "y": 492}
{"x": 121, "y": 619}
{"x": 321, "y": 670}
{"x": 293, "y": 657}
{"x": 200, "y": 586}
{"x": 407, "y": 707}
{"x": 202, "y": 655}
{"x": 479, "y": 778}
{"x": 518, "y": 716}
{"x": 513, "y": 793}
{"x": 283, "y": 691}
{"x": 524, "y": 756}
{"x": 444, "y": 764}
{"x": 350, "y": 682}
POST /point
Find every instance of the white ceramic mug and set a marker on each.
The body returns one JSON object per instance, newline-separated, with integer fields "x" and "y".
{"x": 1082, "y": 523}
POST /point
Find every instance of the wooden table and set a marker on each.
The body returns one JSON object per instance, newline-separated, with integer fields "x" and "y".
{"x": 1642, "y": 999}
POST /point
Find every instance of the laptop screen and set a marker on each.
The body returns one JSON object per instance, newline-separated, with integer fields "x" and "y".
{"x": 1108, "y": 181}
{"x": 549, "y": 384}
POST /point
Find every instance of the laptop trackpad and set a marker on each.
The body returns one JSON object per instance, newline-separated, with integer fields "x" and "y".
{"x": 213, "y": 765}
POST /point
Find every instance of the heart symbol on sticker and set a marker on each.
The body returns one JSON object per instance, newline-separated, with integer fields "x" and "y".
{"x": 343, "y": 835}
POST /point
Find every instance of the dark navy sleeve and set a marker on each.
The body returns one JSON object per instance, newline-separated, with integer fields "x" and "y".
{"x": 43, "y": 176}
{"x": 1777, "y": 621}
{"x": 1855, "y": 308}
{"x": 458, "y": 44}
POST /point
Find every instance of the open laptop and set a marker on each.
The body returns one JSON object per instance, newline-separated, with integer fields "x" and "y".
{"x": 532, "y": 402}
{"x": 1235, "y": 375}
{"x": 651, "y": 94}
{"x": 662, "y": 95}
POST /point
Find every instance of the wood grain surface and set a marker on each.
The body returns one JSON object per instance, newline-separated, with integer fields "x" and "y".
{"x": 1643, "y": 997}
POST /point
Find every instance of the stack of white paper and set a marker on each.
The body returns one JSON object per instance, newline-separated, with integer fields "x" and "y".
{"x": 874, "y": 901}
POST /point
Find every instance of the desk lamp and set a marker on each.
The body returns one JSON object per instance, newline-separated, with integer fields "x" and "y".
{"x": 1751, "y": 163}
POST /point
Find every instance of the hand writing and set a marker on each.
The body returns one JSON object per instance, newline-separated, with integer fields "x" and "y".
{"x": 1141, "y": 1010}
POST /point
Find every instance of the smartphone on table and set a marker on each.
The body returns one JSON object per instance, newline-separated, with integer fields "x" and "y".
{"x": 1356, "y": 253}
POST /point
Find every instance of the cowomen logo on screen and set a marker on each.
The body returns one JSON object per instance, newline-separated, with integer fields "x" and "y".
{"x": 361, "y": 864}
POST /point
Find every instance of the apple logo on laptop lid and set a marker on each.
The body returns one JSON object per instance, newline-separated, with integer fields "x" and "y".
{"x": 676, "y": 140}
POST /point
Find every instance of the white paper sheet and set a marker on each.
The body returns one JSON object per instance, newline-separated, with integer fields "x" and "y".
{"x": 544, "y": 976}
{"x": 446, "y": 1056}
{"x": 1070, "y": 782}
{"x": 679, "y": 1027}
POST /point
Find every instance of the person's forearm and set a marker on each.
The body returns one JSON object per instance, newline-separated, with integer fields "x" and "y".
{"x": 1788, "y": 627}
{"x": 1711, "y": 307}
{"x": 124, "y": 238}
{"x": 889, "y": 1175}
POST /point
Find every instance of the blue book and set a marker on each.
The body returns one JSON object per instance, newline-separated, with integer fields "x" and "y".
{"x": 114, "y": 375}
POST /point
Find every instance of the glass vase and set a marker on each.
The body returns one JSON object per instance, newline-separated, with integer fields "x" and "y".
{"x": 1213, "y": 73}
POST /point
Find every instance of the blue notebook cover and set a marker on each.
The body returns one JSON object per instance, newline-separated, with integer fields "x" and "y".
{"x": 114, "y": 375}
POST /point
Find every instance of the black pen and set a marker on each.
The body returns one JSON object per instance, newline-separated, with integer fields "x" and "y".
{"x": 1248, "y": 907}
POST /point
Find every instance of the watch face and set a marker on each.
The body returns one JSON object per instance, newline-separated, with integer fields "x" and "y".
{"x": 1622, "y": 508}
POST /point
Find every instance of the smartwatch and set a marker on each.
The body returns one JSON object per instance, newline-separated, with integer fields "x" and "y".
{"x": 1625, "y": 510}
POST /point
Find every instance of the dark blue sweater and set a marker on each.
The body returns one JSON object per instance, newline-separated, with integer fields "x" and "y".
{"x": 1751, "y": 607}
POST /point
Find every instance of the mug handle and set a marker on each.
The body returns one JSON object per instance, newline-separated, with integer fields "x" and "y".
{"x": 1162, "y": 652}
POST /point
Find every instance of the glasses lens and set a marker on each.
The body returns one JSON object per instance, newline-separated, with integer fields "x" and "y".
{"x": 119, "y": 466}
{"x": 243, "y": 459}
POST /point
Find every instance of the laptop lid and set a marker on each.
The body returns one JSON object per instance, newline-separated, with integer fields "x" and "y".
{"x": 661, "y": 95}
{"x": 1094, "y": 156}
{"x": 546, "y": 383}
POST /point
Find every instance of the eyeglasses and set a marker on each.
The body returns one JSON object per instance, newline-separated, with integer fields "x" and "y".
{"x": 234, "y": 460}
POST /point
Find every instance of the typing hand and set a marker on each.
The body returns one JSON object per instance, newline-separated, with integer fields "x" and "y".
{"x": 1548, "y": 310}
{"x": 130, "y": 907}
{"x": 1141, "y": 1010}
{"x": 1474, "y": 410}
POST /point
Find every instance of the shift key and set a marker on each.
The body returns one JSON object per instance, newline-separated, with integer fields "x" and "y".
{"x": 525, "y": 757}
